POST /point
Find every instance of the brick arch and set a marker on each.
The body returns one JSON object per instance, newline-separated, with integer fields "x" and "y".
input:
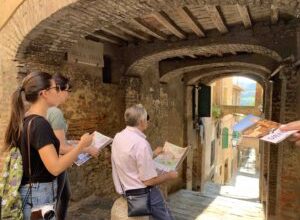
{"x": 50, "y": 14}
{"x": 207, "y": 76}
{"x": 139, "y": 66}
{"x": 216, "y": 75}
{"x": 40, "y": 27}
{"x": 196, "y": 71}
{"x": 24, "y": 20}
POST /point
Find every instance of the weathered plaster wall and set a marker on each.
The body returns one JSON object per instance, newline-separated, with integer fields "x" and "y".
{"x": 165, "y": 105}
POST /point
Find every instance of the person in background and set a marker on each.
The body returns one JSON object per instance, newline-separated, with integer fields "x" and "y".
{"x": 39, "y": 184}
{"x": 59, "y": 125}
{"x": 295, "y": 125}
{"x": 133, "y": 159}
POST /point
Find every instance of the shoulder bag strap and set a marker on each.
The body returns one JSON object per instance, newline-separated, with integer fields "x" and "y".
{"x": 29, "y": 158}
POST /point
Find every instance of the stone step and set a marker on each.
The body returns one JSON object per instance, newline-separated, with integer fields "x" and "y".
{"x": 186, "y": 204}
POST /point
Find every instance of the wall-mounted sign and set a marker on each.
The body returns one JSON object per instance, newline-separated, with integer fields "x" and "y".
{"x": 87, "y": 52}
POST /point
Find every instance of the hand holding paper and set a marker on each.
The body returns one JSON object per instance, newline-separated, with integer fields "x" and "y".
{"x": 254, "y": 127}
{"x": 93, "y": 151}
{"x": 85, "y": 140}
{"x": 171, "y": 158}
{"x": 158, "y": 151}
{"x": 295, "y": 125}
{"x": 173, "y": 174}
{"x": 99, "y": 141}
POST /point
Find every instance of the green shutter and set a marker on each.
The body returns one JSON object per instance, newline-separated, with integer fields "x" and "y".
{"x": 225, "y": 138}
{"x": 235, "y": 135}
{"x": 204, "y": 100}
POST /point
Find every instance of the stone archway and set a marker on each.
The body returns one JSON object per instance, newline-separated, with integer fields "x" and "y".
{"x": 193, "y": 74}
{"x": 23, "y": 20}
{"x": 140, "y": 65}
{"x": 205, "y": 74}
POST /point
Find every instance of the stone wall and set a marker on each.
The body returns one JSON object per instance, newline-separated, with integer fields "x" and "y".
{"x": 8, "y": 74}
{"x": 288, "y": 205}
{"x": 93, "y": 106}
{"x": 284, "y": 177}
{"x": 165, "y": 106}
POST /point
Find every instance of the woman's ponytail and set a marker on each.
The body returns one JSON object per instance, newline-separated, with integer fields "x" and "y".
{"x": 32, "y": 84}
{"x": 15, "y": 125}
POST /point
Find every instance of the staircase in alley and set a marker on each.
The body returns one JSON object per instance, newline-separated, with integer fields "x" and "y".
{"x": 188, "y": 205}
{"x": 237, "y": 200}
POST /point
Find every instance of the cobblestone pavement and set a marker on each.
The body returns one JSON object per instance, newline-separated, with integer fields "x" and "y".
{"x": 90, "y": 208}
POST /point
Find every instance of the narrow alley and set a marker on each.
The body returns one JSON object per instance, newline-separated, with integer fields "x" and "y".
{"x": 238, "y": 200}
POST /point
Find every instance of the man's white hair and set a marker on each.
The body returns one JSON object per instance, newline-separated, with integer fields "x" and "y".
{"x": 135, "y": 114}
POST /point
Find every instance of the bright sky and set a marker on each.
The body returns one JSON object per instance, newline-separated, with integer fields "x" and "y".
{"x": 242, "y": 80}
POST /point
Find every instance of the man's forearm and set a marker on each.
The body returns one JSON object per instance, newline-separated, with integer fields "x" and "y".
{"x": 157, "y": 180}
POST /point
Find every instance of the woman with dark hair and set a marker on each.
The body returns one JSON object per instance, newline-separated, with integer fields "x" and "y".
{"x": 59, "y": 125}
{"x": 41, "y": 162}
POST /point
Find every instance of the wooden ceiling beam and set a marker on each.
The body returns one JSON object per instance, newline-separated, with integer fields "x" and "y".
{"x": 274, "y": 14}
{"x": 124, "y": 27}
{"x": 193, "y": 56}
{"x": 103, "y": 37}
{"x": 244, "y": 13}
{"x": 216, "y": 18}
{"x": 148, "y": 29}
{"x": 117, "y": 34}
{"x": 166, "y": 21}
{"x": 191, "y": 21}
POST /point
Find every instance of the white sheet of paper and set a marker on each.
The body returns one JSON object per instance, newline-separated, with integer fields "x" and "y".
{"x": 277, "y": 136}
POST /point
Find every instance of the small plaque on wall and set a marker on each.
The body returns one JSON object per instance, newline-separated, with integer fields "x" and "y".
{"x": 87, "y": 52}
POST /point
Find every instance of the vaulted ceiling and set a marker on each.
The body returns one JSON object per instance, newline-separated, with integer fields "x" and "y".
{"x": 180, "y": 22}
{"x": 147, "y": 31}
{"x": 139, "y": 22}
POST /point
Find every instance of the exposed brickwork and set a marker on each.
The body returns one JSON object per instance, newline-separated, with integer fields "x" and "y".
{"x": 140, "y": 65}
{"x": 262, "y": 64}
{"x": 257, "y": 41}
{"x": 50, "y": 35}
{"x": 284, "y": 178}
{"x": 8, "y": 84}
{"x": 93, "y": 106}
{"x": 132, "y": 87}
{"x": 289, "y": 177}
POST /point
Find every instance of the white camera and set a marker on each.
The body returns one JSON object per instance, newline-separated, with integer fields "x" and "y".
{"x": 47, "y": 211}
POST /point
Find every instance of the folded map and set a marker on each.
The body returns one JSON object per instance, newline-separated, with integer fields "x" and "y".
{"x": 171, "y": 157}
